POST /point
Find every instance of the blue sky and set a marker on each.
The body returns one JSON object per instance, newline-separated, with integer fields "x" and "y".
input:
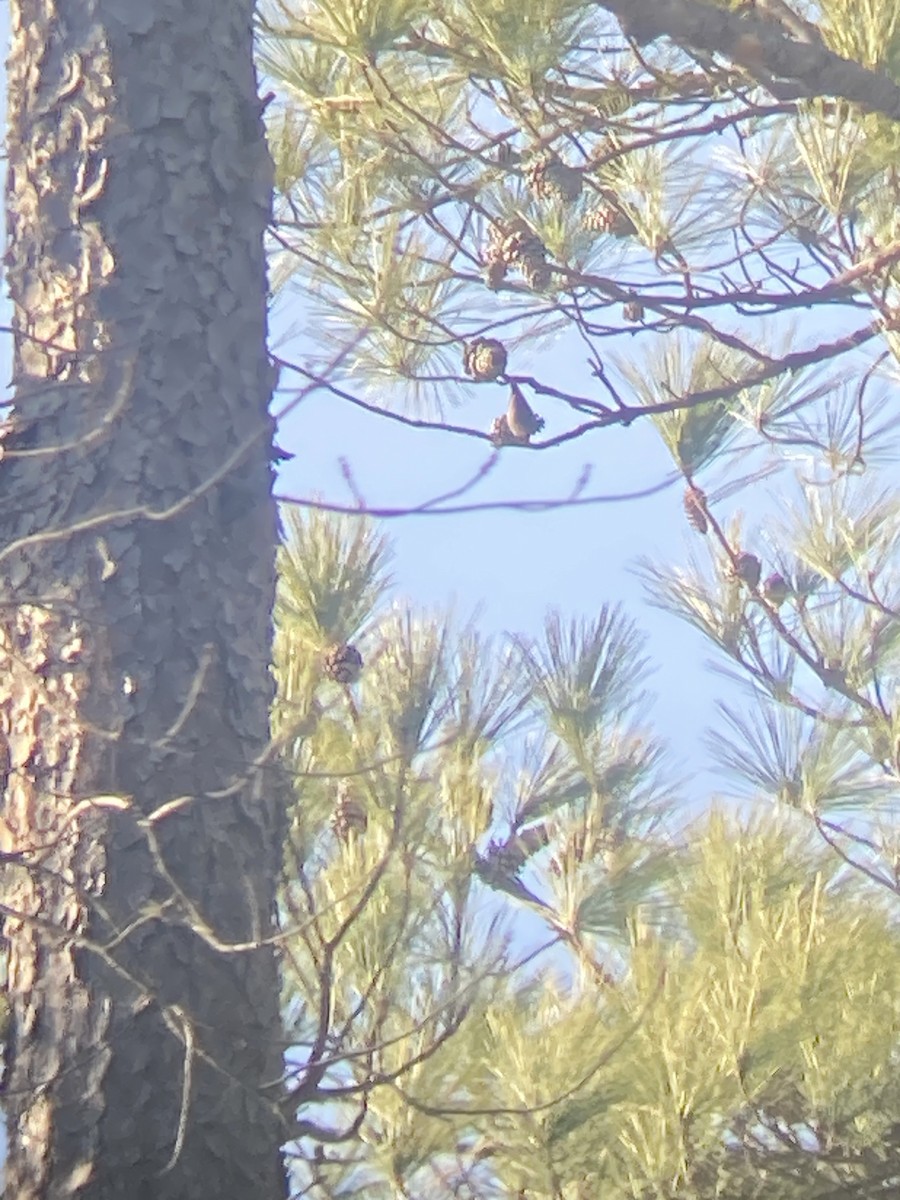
{"x": 511, "y": 566}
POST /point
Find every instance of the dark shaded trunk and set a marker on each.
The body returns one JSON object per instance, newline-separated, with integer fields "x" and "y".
{"x": 136, "y": 581}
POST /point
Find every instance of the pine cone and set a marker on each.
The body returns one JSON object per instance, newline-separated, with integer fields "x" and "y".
{"x": 695, "y": 508}
{"x": 748, "y": 569}
{"x": 517, "y": 239}
{"x": 523, "y": 249}
{"x": 485, "y": 359}
{"x": 494, "y": 275}
{"x": 776, "y": 589}
{"x": 506, "y": 857}
{"x": 349, "y": 814}
{"x": 551, "y": 179}
{"x": 606, "y": 217}
{"x": 494, "y": 263}
{"x": 343, "y": 663}
{"x": 537, "y": 273}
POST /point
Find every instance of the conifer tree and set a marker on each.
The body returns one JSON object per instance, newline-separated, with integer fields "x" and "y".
{"x": 512, "y": 968}
{"x": 699, "y": 200}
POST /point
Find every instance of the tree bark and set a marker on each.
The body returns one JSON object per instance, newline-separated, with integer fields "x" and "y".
{"x": 140, "y": 845}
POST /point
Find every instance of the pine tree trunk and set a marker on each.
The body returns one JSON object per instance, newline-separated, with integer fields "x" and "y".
{"x": 137, "y": 532}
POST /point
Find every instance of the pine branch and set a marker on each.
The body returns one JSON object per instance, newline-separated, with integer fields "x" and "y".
{"x": 762, "y": 46}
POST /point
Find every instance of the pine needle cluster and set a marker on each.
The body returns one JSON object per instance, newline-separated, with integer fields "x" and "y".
{"x": 515, "y": 968}
{"x": 512, "y": 970}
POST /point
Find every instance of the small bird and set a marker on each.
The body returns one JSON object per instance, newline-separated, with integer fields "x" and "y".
{"x": 521, "y": 420}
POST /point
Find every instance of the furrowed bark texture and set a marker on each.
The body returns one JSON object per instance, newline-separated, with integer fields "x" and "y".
{"x": 137, "y": 540}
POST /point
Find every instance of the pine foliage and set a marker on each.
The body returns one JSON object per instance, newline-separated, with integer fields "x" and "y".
{"x": 512, "y": 972}
{"x": 516, "y": 968}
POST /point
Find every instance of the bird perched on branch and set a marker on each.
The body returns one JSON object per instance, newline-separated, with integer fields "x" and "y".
{"x": 520, "y": 417}
{"x": 518, "y": 423}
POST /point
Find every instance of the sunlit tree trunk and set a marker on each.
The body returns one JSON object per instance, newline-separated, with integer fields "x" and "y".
{"x": 137, "y": 532}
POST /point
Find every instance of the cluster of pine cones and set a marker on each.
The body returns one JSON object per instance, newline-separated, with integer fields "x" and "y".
{"x": 746, "y": 568}
{"x": 513, "y": 245}
{"x": 551, "y": 179}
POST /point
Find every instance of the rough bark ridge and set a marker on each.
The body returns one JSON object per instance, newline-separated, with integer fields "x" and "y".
{"x": 136, "y": 580}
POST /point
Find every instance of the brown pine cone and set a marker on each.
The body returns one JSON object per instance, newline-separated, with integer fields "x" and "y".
{"x": 695, "y": 508}
{"x": 607, "y": 217}
{"x": 748, "y": 569}
{"x": 484, "y": 359}
{"x": 349, "y": 814}
{"x": 551, "y": 179}
{"x": 523, "y": 249}
{"x": 343, "y": 663}
{"x": 776, "y": 589}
